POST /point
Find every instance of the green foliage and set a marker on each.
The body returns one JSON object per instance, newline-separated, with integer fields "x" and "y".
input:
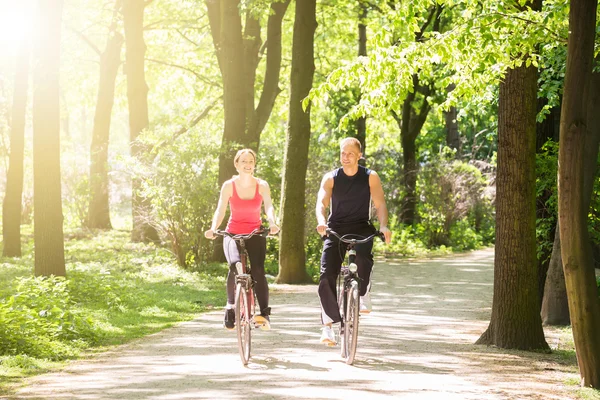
{"x": 454, "y": 208}
{"x": 40, "y": 317}
{"x": 114, "y": 291}
{"x": 182, "y": 186}
{"x": 546, "y": 170}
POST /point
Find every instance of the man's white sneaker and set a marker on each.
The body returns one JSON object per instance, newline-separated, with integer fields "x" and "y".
{"x": 365, "y": 304}
{"x": 328, "y": 337}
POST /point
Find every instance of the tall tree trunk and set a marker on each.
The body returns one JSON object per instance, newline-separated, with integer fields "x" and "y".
{"x": 451, "y": 121}
{"x": 238, "y": 53}
{"x": 361, "y": 122}
{"x": 259, "y": 117}
{"x": 555, "y": 305}
{"x": 137, "y": 97}
{"x": 231, "y": 53}
{"x": 47, "y": 217}
{"x": 110, "y": 60}
{"x": 11, "y": 207}
{"x": 515, "y": 322}
{"x": 546, "y": 130}
{"x": 410, "y": 124}
{"x": 572, "y": 204}
{"x": 292, "y": 257}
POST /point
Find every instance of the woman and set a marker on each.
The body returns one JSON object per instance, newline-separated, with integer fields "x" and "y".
{"x": 245, "y": 195}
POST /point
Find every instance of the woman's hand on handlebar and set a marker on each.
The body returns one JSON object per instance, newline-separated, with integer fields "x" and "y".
{"x": 209, "y": 234}
{"x": 273, "y": 229}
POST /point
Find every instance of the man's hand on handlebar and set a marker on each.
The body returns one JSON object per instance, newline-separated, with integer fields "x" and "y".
{"x": 386, "y": 233}
{"x": 321, "y": 228}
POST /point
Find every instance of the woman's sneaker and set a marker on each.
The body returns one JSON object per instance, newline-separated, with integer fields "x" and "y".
{"x": 229, "y": 321}
{"x": 263, "y": 321}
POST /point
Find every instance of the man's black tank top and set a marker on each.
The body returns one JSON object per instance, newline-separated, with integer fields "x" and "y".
{"x": 350, "y": 201}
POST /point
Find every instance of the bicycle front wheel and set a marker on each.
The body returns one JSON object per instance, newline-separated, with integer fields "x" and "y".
{"x": 351, "y": 325}
{"x": 242, "y": 322}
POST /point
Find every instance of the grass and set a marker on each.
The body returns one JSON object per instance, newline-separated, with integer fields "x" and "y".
{"x": 115, "y": 291}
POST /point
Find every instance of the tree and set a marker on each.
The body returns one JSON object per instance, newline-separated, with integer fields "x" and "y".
{"x": 110, "y": 60}
{"x": 451, "y": 121}
{"x": 572, "y": 203}
{"x": 292, "y": 257}
{"x": 11, "y": 207}
{"x": 47, "y": 217}
{"x": 239, "y": 49}
{"x": 515, "y": 320}
{"x": 361, "y": 122}
{"x": 137, "y": 96}
{"x": 415, "y": 109}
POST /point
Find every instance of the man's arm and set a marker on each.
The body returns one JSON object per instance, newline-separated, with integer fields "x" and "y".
{"x": 323, "y": 199}
{"x": 379, "y": 202}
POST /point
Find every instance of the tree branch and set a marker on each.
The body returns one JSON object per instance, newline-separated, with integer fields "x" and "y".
{"x": 196, "y": 74}
{"x": 187, "y": 127}
{"x": 85, "y": 39}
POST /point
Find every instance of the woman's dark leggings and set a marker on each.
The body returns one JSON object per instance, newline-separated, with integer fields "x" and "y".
{"x": 256, "y": 247}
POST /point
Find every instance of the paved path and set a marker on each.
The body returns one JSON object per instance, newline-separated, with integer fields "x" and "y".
{"x": 417, "y": 344}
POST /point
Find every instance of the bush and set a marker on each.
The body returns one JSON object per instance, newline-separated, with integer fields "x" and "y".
{"x": 182, "y": 185}
{"x": 40, "y": 317}
{"x": 455, "y": 209}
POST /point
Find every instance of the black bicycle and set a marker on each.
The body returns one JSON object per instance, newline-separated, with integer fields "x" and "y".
{"x": 349, "y": 294}
{"x": 245, "y": 297}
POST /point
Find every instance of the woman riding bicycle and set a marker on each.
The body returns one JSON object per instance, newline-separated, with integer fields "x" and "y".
{"x": 350, "y": 190}
{"x": 245, "y": 194}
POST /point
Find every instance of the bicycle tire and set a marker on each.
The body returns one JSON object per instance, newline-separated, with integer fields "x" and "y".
{"x": 242, "y": 322}
{"x": 342, "y": 306}
{"x": 351, "y": 326}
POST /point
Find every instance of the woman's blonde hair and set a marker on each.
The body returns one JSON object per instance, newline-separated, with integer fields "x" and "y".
{"x": 241, "y": 152}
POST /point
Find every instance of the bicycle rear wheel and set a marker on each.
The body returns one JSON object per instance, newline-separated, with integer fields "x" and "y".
{"x": 242, "y": 322}
{"x": 351, "y": 325}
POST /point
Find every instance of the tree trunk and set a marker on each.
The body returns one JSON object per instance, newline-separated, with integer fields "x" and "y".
{"x": 137, "y": 97}
{"x": 259, "y": 117}
{"x": 451, "y": 120}
{"x": 238, "y": 53}
{"x": 47, "y": 217}
{"x": 572, "y": 204}
{"x": 11, "y": 207}
{"x": 515, "y": 321}
{"x": 110, "y": 60}
{"x": 361, "y": 122}
{"x": 549, "y": 129}
{"x": 555, "y": 306}
{"x": 410, "y": 125}
{"x": 292, "y": 257}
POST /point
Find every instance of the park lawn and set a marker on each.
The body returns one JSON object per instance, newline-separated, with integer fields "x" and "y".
{"x": 115, "y": 291}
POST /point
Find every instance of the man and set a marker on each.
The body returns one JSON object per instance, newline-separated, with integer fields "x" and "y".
{"x": 350, "y": 190}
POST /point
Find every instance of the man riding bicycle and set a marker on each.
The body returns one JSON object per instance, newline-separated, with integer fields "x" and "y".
{"x": 350, "y": 190}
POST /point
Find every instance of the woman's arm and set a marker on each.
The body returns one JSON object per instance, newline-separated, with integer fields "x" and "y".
{"x": 265, "y": 192}
{"x": 226, "y": 192}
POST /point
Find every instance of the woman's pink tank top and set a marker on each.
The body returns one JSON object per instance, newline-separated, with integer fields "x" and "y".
{"x": 245, "y": 214}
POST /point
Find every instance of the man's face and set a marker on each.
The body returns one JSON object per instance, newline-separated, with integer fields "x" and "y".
{"x": 349, "y": 155}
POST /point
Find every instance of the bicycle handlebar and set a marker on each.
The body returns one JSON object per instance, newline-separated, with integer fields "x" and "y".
{"x": 257, "y": 232}
{"x": 355, "y": 241}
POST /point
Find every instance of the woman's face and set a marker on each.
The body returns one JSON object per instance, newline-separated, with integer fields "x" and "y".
{"x": 245, "y": 164}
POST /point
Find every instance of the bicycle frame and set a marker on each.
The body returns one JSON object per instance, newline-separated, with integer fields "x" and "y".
{"x": 245, "y": 297}
{"x": 349, "y": 296}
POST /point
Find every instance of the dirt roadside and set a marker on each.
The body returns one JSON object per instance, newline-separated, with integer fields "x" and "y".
{"x": 416, "y": 344}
